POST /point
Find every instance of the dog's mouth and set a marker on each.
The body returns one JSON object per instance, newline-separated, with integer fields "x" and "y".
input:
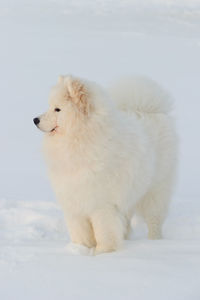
{"x": 53, "y": 130}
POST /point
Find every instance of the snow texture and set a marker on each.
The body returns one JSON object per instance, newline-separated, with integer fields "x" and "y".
{"x": 101, "y": 41}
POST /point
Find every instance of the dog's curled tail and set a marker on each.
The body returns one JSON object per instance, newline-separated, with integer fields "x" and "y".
{"x": 141, "y": 95}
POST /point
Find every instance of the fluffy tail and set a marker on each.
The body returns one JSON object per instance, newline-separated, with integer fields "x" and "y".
{"x": 141, "y": 95}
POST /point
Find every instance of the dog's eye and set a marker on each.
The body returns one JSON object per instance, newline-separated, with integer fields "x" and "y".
{"x": 57, "y": 109}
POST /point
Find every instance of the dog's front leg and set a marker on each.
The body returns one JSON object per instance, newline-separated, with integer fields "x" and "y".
{"x": 108, "y": 229}
{"x": 80, "y": 231}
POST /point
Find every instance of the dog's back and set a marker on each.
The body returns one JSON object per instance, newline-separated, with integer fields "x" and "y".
{"x": 140, "y": 95}
{"x": 151, "y": 105}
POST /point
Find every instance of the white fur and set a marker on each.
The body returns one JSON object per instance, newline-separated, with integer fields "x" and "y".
{"x": 110, "y": 156}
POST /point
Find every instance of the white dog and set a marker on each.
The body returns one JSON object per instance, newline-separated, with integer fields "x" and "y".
{"x": 109, "y": 155}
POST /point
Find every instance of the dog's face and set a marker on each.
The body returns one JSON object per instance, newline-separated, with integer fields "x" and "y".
{"x": 70, "y": 97}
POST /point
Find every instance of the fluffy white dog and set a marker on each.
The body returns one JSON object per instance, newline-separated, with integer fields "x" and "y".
{"x": 109, "y": 155}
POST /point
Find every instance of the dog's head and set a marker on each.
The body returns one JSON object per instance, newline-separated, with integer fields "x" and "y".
{"x": 70, "y": 101}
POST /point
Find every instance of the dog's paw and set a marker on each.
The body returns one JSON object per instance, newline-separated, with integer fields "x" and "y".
{"x": 78, "y": 249}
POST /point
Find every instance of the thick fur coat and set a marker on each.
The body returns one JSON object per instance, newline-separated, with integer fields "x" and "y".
{"x": 109, "y": 155}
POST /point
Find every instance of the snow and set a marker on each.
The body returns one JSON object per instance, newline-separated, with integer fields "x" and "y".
{"x": 36, "y": 263}
{"x": 99, "y": 40}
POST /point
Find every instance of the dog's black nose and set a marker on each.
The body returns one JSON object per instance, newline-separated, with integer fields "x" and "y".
{"x": 36, "y": 121}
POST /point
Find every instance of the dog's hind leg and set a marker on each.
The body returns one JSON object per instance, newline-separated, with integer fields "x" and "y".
{"x": 154, "y": 207}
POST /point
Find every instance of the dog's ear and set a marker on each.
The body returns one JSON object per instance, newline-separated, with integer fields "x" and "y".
{"x": 78, "y": 93}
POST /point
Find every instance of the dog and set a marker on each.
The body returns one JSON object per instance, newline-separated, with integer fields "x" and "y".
{"x": 110, "y": 154}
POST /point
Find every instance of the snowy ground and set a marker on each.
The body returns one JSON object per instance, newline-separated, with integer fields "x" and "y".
{"x": 99, "y": 40}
